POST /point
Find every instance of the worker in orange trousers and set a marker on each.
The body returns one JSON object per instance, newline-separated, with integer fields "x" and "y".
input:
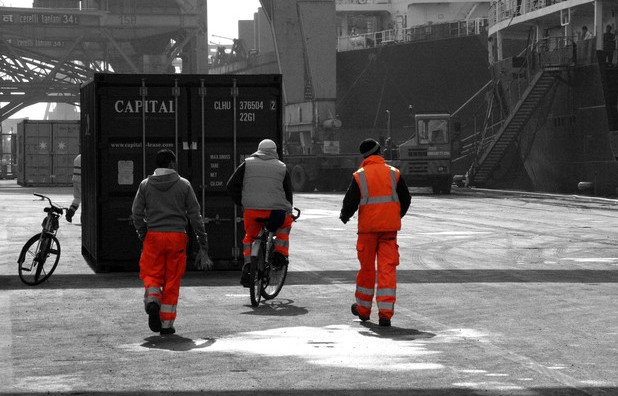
{"x": 382, "y": 198}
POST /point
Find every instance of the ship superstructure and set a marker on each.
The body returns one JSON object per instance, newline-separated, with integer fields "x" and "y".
{"x": 371, "y": 23}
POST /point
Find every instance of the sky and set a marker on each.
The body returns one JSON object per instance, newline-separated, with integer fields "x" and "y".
{"x": 223, "y": 17}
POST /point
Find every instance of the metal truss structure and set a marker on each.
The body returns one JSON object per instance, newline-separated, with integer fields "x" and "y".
{"x": 47, "y": 53}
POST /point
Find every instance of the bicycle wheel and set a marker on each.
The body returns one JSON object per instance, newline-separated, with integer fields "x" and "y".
{"x": 38, "y": 259}
{"x": 274, "y": 279}
{"x": 255, "y": 284}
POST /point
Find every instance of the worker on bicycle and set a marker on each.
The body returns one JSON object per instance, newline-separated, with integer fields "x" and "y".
{"x": 262, "y": 186}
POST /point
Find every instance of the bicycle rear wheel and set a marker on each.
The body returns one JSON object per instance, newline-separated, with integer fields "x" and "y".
{"x": 255, "y": 284}
{"x": 38, "y": 259}
{"x": 274, "y": 279}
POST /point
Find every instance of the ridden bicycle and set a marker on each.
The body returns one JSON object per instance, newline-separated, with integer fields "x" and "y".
{"x": 40, "y": 255}
{"x": 266, "y": 279}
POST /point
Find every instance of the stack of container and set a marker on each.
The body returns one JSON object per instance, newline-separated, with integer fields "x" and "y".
{"x": 211, "y": 122}
{"x": 45, "y": 152}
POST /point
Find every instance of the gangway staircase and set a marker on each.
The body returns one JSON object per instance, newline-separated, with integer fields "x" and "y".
{"x": 481, "y": 170}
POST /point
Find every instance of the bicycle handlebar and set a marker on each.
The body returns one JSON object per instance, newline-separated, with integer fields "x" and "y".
{"x": 57, "y": 209}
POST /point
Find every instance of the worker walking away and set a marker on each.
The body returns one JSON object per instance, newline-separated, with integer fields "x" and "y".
{"x": 160, "y": 209}
{"x": 382, "y": 198}
{"x": 262, "y": 186}
{"x": 77, "y": 188}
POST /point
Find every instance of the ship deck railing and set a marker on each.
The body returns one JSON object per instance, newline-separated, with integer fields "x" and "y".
{"x": 501, "y": 10}
{"x": 549, "y": 54}
{"x": 427, "y": 32}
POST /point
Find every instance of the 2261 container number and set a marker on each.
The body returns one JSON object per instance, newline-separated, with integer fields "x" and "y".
{"x": 247, "y": 117}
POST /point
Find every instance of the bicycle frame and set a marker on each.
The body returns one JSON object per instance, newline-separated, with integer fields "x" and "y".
{"x": 263, "y": 284}
{"x": 264, "y": 238}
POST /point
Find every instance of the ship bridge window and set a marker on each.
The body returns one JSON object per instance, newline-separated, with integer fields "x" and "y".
{"x": 432, "y": 131}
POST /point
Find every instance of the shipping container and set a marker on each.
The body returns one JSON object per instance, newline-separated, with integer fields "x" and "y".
{"x": 45, "y": 152}
{"x": 211, "y": 122}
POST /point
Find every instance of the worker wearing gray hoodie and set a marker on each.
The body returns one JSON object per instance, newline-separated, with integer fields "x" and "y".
{"x": 161, "y": 206}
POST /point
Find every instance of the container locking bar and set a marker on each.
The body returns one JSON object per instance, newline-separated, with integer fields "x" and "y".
{"x": 216, "y": 220}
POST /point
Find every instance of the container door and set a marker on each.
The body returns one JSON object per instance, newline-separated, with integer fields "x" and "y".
{"x": 65, "y": 140}
{"x": 38, "y": 149}
{"x": 233, "y": 120}
{"x": 137, "y": 122}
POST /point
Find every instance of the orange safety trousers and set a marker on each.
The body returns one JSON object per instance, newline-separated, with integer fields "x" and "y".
{"x": 384, "y": 246}
{"x": 162, "y": 265}
{"x": 253, "y": 228}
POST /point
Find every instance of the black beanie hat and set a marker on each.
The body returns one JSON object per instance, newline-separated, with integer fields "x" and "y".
{"x": 369, "y": 147}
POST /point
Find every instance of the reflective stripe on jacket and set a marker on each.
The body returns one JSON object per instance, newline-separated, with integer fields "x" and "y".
{"x": 263, "y": 184}
{"x": 379, "y": 207}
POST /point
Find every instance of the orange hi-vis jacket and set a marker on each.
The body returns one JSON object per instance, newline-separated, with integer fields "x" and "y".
{"x": 379, "y": 207}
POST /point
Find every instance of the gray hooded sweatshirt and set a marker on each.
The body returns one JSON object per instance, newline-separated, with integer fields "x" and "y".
{"x": 163, "y": 202}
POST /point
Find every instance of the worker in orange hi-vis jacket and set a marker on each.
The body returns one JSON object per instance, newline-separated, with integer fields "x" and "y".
{"x": 382, "y": 198}
{"x": 160, "y": 209}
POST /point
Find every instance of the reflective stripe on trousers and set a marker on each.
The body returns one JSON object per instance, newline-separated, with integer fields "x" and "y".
{"x": 253, "y": 228}
{"x": 162, "y": 266}
{"x": 382, "y": 245}
{"x": 168, "y": 315}
{"x": 152, "y": 294}
{"x": 364, "y": 296}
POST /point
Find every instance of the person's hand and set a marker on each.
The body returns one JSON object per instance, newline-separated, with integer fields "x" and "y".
{"x": 203, "y": 261}
{"x": 69, "y": 214}
{"x": 344, "y": 220}
{"x": 206, "y": 262}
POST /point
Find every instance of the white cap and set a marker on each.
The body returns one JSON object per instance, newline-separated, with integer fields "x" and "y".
{"x": 267, "y": 144}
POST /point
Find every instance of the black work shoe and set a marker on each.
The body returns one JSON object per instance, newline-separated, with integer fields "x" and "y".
{"x": 154, "y": 321}
{"x": 385, "y": 322}
{"x": 354, "y": 309}
{"x": 279, "y": 261}
{"x": 245, "y": 279}
{"x": 168, "y": 330}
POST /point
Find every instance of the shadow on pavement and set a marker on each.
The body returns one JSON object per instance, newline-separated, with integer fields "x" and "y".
{"x": 464, "y": 276}
{"x": 176, "y": 343}
{"x": 562, "y": 391}
{"x": 394, "y": 333}
{"x": 230, "y": 278}
{"x": 277, "y": 307}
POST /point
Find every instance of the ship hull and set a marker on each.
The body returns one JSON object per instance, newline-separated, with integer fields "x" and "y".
{"x": 568, "y": 142}
{"x": 377, "y": 86}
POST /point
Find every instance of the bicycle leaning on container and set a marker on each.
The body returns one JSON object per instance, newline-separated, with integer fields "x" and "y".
{"x": 266, "y": 279}
{"x": 40, "y": 255}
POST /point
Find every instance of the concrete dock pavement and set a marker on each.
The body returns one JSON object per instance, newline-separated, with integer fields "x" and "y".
{"x": 498, "y": 294}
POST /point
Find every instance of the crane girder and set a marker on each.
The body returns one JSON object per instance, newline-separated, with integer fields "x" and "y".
{"x": 45, "y": 54}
